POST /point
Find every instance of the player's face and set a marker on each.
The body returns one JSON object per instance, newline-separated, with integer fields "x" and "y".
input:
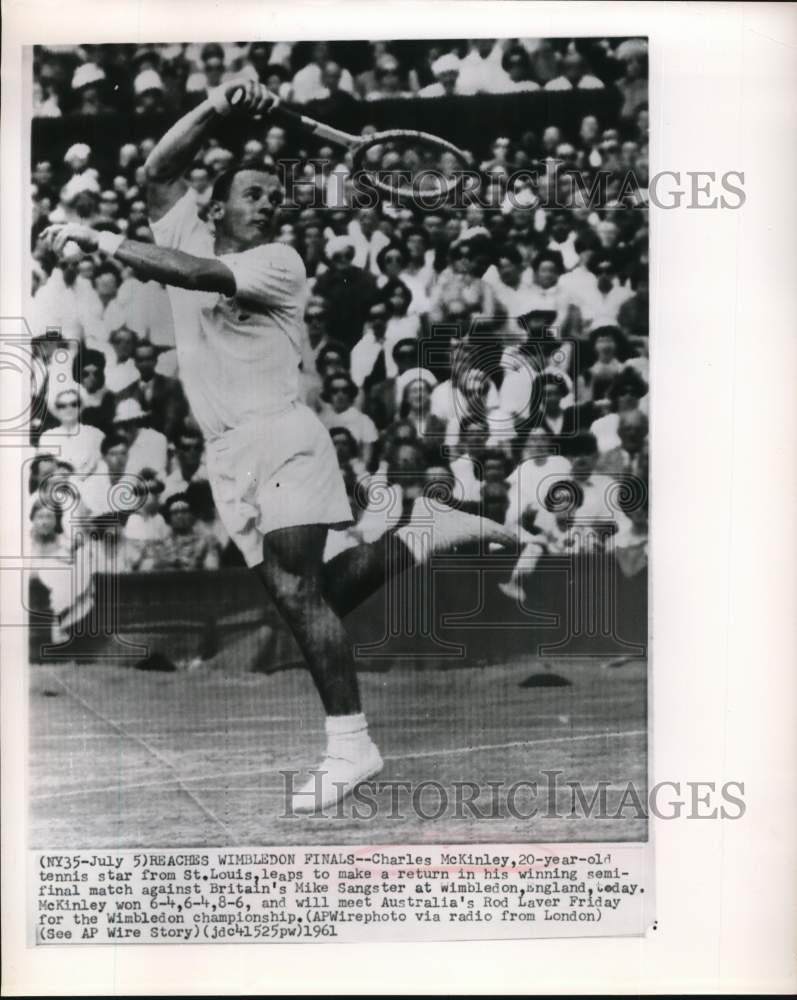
{"x": 252, "y": 208}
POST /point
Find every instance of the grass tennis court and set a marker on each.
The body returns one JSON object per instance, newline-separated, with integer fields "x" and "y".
{"x": 125, "y": 758}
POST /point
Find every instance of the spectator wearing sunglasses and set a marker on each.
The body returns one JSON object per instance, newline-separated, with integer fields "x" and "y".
{"x": 97, "y": 402}
{"x": 188, "y": 466}
{"x": 74, "y": 442}
{"x": 339, "y": 394}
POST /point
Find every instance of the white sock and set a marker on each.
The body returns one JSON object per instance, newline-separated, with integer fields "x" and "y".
{"x": 347, "y": 735}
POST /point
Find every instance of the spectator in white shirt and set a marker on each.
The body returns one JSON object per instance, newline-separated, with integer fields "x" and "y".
{"x": 368, "y": 240}
{"x": 389, "y": 85}
{"x": 307, "y": 83}
{"x": 339, "y": 394}
{"x": 369, "y": 355}
{"x": 146, "y": 532}
{"x": 188, "y": 465}
{"x": 481, "y": 71}
{"x": 574, "y": 76}
{"x": 76, "y": 443}
{"x": 120, "y": 370}
{"x": 147, "y": 448}
{"x": 418, "y": 273}
{"x": 446, "y": 70}
{"x": 599, "y": 302}
{"x": 624, "y": 395}
{"x": 562, "y": 238}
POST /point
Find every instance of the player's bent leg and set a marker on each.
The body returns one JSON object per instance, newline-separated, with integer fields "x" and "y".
{"x": 291, "y": 572}
{"x": 356, "y": 573}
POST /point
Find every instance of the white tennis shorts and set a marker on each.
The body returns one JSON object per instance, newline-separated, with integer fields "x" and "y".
{"x": 280, "y": 472}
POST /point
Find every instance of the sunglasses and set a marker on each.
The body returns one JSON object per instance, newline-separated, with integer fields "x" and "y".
{"x": 66, "y": 406}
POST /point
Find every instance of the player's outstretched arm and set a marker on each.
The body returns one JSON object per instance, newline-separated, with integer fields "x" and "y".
{"x": 174, "y": 153}
{"x": 149, "y": 262}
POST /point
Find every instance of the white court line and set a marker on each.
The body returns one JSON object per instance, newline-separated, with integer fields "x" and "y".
{"x": 448, "y": 752}
{"x": 162, "y": 734}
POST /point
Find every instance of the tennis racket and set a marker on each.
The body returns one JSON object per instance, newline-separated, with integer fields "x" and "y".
{"x": 399, "y": 161}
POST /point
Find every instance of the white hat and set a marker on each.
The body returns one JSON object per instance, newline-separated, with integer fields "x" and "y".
{"x": 218, "y": 155}
{"x": 402, "y": 381}
{"x": 445, "y": 64}
{"x": 631, "y": 48}
{"x": 128, "y": 409}
{"x": 146, "y": 80}
{"x": 338, "y": 244}
{"x": 80, "y": 151}
{"x": 86, "y": 74}
{"x": 78, "y": 185}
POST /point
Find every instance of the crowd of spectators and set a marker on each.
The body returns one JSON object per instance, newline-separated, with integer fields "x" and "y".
{"x": 485, "y": 353}
{"x": 142, "y": 79}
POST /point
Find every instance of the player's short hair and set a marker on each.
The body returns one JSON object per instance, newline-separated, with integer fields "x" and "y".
{"x": 223, "y": 183}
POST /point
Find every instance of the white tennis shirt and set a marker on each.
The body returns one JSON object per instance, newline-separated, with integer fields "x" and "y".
{"x": 239, "y": 356}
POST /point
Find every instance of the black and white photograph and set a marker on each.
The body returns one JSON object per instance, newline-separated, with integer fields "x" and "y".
{"x": 396, "y": 432}
{"x": 341, "y": 441}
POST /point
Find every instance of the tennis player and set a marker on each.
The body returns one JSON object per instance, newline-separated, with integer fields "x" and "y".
{"x": 237, "y": 299}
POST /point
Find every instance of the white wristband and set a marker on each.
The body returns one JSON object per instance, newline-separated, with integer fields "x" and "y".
{"x": 109, "y": 243}
{"x": 218, "y": 98}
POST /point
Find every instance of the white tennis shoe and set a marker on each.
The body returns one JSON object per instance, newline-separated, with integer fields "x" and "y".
{"x": 336, "y": 777}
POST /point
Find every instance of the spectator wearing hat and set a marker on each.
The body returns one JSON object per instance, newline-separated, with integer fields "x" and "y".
{"x": 120, "y": 369}
{"x": 574, "y": 75}
{"x": 187, "y": 546}
{"x": 88, "y": 86}
{"x": 146, "y": 532}
{"x": 149, "y": 93}
{"x": 446, "y": 71}
{"x": 147, "y": 448}
{"x": 97, "y": 402}
{"x": 348, "y": 291}
{"x": 75, "y": 442}
{"x": 161, "y": 399}
{"x": 461, "y": 282}
{"x": 339, "y": 395}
